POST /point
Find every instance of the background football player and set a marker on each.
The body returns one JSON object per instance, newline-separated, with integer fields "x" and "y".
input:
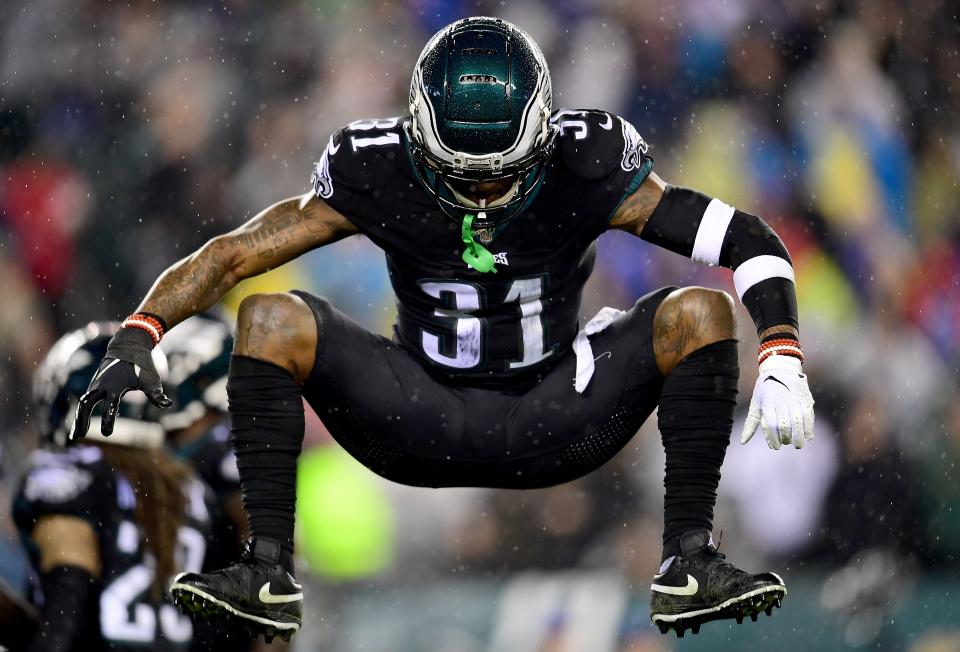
{"x": 487, "y": 205}
{"x": 106, "y": 524}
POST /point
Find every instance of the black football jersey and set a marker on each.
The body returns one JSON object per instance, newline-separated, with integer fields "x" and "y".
{"x": 79, "y": 482}
{"x": 486, "y": 327}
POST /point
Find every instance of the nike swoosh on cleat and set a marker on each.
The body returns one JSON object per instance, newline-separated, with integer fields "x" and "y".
{"x": 691, "y": 588}
{"x": 271, "y": 598}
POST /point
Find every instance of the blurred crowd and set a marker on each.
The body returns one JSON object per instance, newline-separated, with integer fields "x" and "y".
{"x": 130, "y": 132}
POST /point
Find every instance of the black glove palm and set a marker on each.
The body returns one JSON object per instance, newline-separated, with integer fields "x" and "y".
{"x": 127, "y": 365}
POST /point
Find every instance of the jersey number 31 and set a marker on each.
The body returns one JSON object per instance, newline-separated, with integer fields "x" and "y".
{"x": 469, "y": 329}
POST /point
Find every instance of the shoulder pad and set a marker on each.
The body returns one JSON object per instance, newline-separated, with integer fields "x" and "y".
{"x": 592, "y": 144}
{"x": 359, "y": 155}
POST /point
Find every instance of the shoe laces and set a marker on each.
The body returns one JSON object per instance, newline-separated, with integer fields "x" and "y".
{"x": 711, "y": 551}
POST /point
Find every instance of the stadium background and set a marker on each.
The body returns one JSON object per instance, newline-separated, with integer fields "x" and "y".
{"x": 130, "y": 132}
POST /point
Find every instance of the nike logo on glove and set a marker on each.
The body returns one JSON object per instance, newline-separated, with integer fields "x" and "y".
{"x": 776, "y": 380}
{"x": 272, "y": 598}
{"x": 104, "y": 370}
{"x": 691, "y": 588}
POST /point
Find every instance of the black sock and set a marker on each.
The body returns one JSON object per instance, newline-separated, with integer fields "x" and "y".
{"x": 695, "y": 419}
{"x": 266, "y": 419}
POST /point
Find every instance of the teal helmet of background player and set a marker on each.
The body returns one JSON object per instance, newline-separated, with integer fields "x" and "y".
{"x": 63, "y": 377}
{"x": 198, "y": 353}
{"x": 480, "y": 104}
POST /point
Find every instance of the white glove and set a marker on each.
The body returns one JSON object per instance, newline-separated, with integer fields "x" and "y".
{"x": 781, "y": 404}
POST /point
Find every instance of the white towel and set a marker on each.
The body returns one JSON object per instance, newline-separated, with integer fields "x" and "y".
{"x": 582, "y": 349}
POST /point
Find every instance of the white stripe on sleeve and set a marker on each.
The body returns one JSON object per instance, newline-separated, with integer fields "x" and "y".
{"x": 713, "y": 226}
{"x": 753, "y": 271}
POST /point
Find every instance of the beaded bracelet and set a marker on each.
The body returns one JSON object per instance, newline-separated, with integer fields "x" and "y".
{"x": 787, "y": 347}
{"x": 145, "y": 321}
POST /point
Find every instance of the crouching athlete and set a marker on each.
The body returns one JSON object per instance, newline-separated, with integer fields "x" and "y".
{"x": 487, "y": 205}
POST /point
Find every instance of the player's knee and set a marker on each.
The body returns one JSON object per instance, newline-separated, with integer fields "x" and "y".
{"x": 689, "y": 319}
{"x": 279, "y": 328}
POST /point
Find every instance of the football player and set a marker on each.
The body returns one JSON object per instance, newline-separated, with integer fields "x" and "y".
{"x": 487, "y": 204}
{"x": 106, "y": 524}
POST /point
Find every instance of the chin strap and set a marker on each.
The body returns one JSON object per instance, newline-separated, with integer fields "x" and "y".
{"x": 475, "y": 255}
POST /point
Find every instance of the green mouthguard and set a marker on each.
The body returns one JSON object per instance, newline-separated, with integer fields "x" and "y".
{"x": 475, "y": 255}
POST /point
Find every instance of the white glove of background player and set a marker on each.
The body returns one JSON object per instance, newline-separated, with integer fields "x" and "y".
{"x": 781, "y": 404}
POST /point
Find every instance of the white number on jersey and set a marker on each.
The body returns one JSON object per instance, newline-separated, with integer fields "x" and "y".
{"x": 373, "y": 133}
{"x": 125, "y": 611}
{"x": 387, "y": 138}
{"x": 469, "y": 329}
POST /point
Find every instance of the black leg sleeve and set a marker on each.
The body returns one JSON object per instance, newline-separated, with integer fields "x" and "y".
{"x": 695, "y": 418}
{"x": 69, "y": 618}
{"x": 266, "y": 419}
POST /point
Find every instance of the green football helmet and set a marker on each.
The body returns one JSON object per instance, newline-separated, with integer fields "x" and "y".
{"x": 480, "y": 104}
{"x": 198, "y": 355}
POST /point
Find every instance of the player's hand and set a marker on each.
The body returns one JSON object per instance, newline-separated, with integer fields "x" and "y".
{"x": 781, "y": 405}
{"x": 127, "y": 365}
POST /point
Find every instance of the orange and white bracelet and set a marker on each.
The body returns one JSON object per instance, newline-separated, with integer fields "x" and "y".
{"x": 146, "y": 322}
{"x": 787, "y": 347}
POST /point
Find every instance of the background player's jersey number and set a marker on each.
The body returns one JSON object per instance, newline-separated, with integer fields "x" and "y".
{"x": 126, "y": 612}
{"x": 469, "y": 330}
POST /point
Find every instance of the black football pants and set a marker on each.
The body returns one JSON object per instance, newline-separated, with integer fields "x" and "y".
{"x": 400, "y": 421}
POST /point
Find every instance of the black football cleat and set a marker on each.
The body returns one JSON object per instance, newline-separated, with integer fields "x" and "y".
{"x": 700, "y": 585}
{"x": 256, "y": 593}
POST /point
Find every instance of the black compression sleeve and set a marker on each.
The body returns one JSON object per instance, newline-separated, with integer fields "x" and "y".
{"x": 69, "y": 619}
{"x": 266, "y": 419}
{"x": 673, "y": 224}
{"x": 713, "y": 233}
{"x": 695, "y": 419}
{"x": 771, "y": 299}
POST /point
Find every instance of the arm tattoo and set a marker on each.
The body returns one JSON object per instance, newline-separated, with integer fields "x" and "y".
{"x": 690, "y": 319}
{"x": 191, "y": 285}
{"x": 272, "y": 232}
{"x": 633, "y": 213}
{"x": 287, "y": 224}
{"x": 273, "y": 237}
